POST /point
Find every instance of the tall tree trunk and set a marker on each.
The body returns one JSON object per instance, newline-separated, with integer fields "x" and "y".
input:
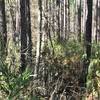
{"x": 16, "y": 34}
{"x": 59, "y": 20}
{"x": 96, "y": 21}
{"x": 54, "y": 20}
{"x": 23, "y": 34}
{"x": 39, "y": 40}
{"x": 88, "y": 37}
{"x": 64, "y": 14}
{"x": 62, "y": 20}
{"x": 89, "y": 29}
{"x": 69, "y": 16}
{"x": 29, "y": 33}
{"x": 75, "y": 16}
{"x": 79, "y": 22}
{"x": 17, "y": 16}
{"x": 84, "y": 16}
{"x": 3, "y": 27}
{"x": 66, "y": 21}
{"x": 99, "y": 20}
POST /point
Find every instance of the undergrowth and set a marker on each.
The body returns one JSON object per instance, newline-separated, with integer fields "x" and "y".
{"x": 60, "y": 70}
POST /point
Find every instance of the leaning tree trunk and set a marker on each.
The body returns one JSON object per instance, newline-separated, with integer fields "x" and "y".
{"x": 3, "y": 28}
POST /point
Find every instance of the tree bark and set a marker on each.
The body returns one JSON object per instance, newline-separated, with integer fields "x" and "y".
{"x": 39, "y": 40}
{"x": 79, "y": 22}
{"x": 23, "y": 34}
{"x": 69, "y": 16}
{"x": 29, "y": 33}
{"x": 59, "y": 20}
{"x": 3, "y": 27}
{"x": 88, "y": 37}
{"x": 16, "y": 34}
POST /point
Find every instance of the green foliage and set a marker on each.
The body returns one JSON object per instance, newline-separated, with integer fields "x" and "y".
{"x": 66, "y": 58}
{"x": 13, "y": 83}
{"x": 67, "y": 48}
{"x": 96, "y": 50}
{"x": 72, "y": 2}
{"x": 65, "y": 63}
{"x": 93, "y": 79}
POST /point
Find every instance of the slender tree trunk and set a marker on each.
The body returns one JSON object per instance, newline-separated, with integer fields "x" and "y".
{"x": 29, "y": 33}
{"x": 62, "y": 34}
{"x": 64, "y": 21}
{"x": 39, "y": 40}
{"x": 79, "y": 22}
{"x": 99, "y": 20}
{"x": 69, "y": 16}
{"x": 84, "y": 16}
{"x": 59, "y": 19}
{"x": 3, "y": 30}
{"x": 75, "y": 16}
{"x": 17, "y": 16}
{"x": 96, "y": 20}
{"x": 16, "y": 34}
{"x": 54, "y": 25}
{"x": 3, "y": 27}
